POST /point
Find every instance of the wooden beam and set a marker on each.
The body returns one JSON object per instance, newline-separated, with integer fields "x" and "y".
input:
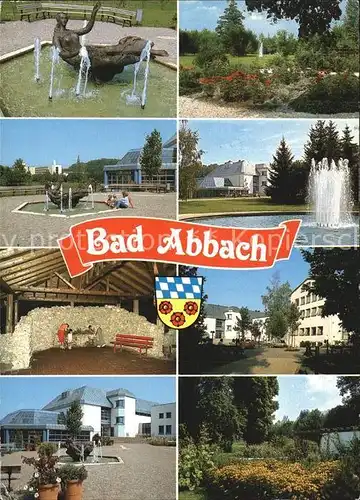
{"x": 10, "y": 313}
{"x": 136, "y": 306}
{"x": 26, "y": 256}
{"x": 32, "y": 269}
{"x": 105, "y": 271}
{"x": 5, "y": 287}
{"x": 64, "y": 291}
{"x": 16, "y": 312}
{"x": 65, "y": 281}
{"x": 70, "y": 300}
{"x": 36, "y": 276}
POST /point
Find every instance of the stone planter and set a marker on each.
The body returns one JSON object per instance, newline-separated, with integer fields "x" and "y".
{"x": 74, "y": 490}
{"x": 48, "y": 491}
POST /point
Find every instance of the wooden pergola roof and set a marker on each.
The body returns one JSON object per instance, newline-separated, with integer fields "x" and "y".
{"x": 42, "y": 275}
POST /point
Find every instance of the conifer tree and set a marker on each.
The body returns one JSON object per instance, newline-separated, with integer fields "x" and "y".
{"x": 281, "y": 174}
{"x": 231, "y": 17}
{"x": 151, "y": 155}
{"x": 350, "y": 152}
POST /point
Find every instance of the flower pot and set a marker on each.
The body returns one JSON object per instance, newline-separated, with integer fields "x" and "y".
{"x": 74, "y": 490}
{"x": 48, "y": 491}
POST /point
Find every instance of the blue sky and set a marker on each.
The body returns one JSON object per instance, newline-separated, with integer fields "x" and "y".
{"x": 255, "y": 140}
{"x": 35, "y": 392}
{"x": 245, "y": 288}
{"x": 198, "y": 15}
{"x": 39, "y": 142}
{"x": 298, "y": 393}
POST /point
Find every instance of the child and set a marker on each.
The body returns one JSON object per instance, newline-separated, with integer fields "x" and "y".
{"x": 125, "y": 201}
{"x": 69, "y": 339}
{"x": 61, "y": 334}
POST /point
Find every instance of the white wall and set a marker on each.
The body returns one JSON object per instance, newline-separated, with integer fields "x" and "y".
{"x": 230, "y": 333}
{"x": 210, "y": 325}
{"x": 92, "y": 416}
{"x": 156, "y": 421}
{"x": 330, "y": 441}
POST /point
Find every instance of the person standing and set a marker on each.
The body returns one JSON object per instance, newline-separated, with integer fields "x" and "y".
{"x": 62, "y": 331}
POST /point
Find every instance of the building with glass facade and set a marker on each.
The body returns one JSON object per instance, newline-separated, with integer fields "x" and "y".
{"x": 128, "y": 170}
{"x": 116, "y": 413}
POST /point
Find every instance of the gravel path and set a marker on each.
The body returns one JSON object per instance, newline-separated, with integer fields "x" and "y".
{"x": 148, "y": 473}
{"x": 18, "y": 34}
{"x": 196, "y": 107}
{"x": 21, "y": 229}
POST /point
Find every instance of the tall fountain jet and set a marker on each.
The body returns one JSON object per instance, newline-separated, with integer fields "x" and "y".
{"x": 329, "y": 193}
{"x": 55, "y": 59}
{"x": 261, "y": 50}
{"x": 134, "y": 98}
{"x": 37, "y": 54}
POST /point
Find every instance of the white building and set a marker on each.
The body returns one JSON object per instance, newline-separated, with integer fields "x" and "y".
{"x": 163, "y": 420}
{"x": 248, "y": 178}
{"x": 220, "y": 322}
{"x": 53, "y": 169}
{"x": 313, "y": 327}
{"x": 329, "y": 442}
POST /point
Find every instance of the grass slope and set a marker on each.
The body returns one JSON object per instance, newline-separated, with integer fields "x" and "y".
{"x": 201, "y": 206}
{"x": 156, "y": 13}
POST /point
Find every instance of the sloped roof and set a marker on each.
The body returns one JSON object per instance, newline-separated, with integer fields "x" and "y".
{"x": 218, "y": 311}
{"x": 226, "y": 169}
{"x": 143, "y": 406}
{"x": 85, "y": 395}
{"x": 30, "y": 417}
{"x": 211, "y": 182}
{"x": 120, "y": 392}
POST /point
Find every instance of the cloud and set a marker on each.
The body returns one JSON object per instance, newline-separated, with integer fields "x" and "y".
{"x": 322, "y": 390}
{"x": 257, "y": 16}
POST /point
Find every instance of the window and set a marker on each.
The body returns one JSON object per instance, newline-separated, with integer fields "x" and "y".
{"x": 229, "y": 316}
{"x": 308, "y": 299}
{"x": 297, "y": 301}
{"x": 168, "y": 430}
{"x": 161, "y": 415}
{"x": 320, "y": 330}
{"x": 307, "y": 331}
{"x": 264, "y": 183}
{"x": 319, "y": 311}
{"x": 313, "y": 330}
{"x": 302, "y": 314}
{"x": 228, "y": 328}
{"x": 302, "y": 301}
{"x": 301, "y": 331}
{"x": 313, "y": 311}
{"x": 168, "y": 414}
{"x": 120, "y": 420}
{"x": 307, "y": 313}
{"x": 120, "y": 403}
{"x": 161, "y": 430}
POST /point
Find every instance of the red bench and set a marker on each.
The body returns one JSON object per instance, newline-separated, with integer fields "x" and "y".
{"x": 133, "y": 341}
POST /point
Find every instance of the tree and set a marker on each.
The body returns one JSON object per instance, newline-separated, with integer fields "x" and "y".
{"x": 151, "y": 155}
{"x": 336, "y": 276}
{"x": 280, "y": 429}
{"x": 293, "y": 321}
{"x": 312, "y": 16}
{"x": 255, "y": 329}
{"x": 285, "y": 43}
{"x": 212, "y": 51}
{"x": 350, "y": 152}
{"x": 341, "y": 416}
{"x": 231, "y": 17}
{"x": 218, "y": 412}
{"x": 243, "y": 323}
{"x": 61, "y": 418}
{"x": 280, "y": 174}
{"x": 189, "y": 161}
{"x": 324, "y": 142}
{"x": 74, "y": 417}
{"x": 277, "y": 303}
{"x": 190, "y": 338}
{"x": 309, "y": 422}
{"x": 351, "y": 20}
{"x": 256, "y": 397}
{"x": 350, "y": 391}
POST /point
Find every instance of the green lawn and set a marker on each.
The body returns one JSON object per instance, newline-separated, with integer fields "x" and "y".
{"x": 158, "y": 13}
{"x": 199, "y": 494}
{"x": 249, "y": 60}
{"x": 235, "y": 205}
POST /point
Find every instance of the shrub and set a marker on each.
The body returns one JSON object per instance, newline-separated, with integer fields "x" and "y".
{"x": 46, "y": 449}
{"x": 161, "y": 441}
{"x": 189, "y": 81}
{"x": 71, "y": 472}
{"x": 332, "y": 94}
{"x": 195, "y": 463}
{"x": 107, "y": 441}
{"x": 262, "y": 480}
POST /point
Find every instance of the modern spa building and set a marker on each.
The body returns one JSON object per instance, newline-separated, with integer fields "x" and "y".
{"x": 313, "y": 327}
{"x": 55, "y": 168}
{"x": 128, "y": 170}
{"x": 116, "y": 413}
{"x": 239, "y": 177}
{"x": 220, "y": 322}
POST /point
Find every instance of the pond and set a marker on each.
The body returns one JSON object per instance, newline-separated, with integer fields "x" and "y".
{"x": 82, "y": 209}
{"x": 309, "y": 235}
{"x": 21, "y": 95}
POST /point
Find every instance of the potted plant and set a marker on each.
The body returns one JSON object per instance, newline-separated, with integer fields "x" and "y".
{"x": 45, "y": 482}
{"x": 72, "y": 478}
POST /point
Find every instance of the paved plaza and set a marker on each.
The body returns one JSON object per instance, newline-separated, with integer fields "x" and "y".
{"x": 21, "y": 229}
{"x": 147, "y": 473}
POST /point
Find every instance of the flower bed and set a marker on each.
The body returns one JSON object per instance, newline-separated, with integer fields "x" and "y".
{"x": 266, "y": 480}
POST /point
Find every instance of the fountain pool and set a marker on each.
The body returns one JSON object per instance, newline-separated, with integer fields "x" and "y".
{"x": 64, "y": 459}
{"x": 20, "y": 95}
{"x": 310, "y": 234}
{"x": 84, "y": 208}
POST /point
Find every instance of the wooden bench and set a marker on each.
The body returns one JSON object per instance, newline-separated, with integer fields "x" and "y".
{"x": 133, "y": 341}
{"x": 125, "y": 17}
{"x": 53, "y": 8}
{"x": 10, "y": 470}
{"x": 30, "y": 9}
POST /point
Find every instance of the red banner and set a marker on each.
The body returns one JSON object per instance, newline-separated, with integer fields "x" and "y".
{"x": 164, "y": 240}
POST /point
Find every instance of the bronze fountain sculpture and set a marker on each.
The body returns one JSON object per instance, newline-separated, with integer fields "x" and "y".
{"x": 106, "y": 60}
{"x": 62, "y": 199}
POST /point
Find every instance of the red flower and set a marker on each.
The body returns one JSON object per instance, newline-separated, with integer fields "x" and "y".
{"x": 267, "y": 82}
{"x": 165, "y": 307}
{"x": 191, "y": 308}
{"x": 177, "y": 319}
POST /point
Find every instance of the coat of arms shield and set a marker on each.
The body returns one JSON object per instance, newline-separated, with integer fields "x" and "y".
{"x": 178, "y": 300}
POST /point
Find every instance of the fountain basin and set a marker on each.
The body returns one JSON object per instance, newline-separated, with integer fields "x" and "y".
{"x": 21, "y": 95}
{"x": 309, "y": 234}
{"x": 105, "y": 460}
{"x": 84, "y": 208}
